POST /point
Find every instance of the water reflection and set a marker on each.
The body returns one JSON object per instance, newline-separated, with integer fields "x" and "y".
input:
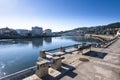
{"x": 37, "y": 42}
{"x": 21, "y": 41}
{"x": 81, "y": 39}
{"x": 48, "y": 40}
{"x": 14, "y": 41}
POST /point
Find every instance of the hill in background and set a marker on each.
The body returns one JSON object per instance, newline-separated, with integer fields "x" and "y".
{"x": 109, "y": 29}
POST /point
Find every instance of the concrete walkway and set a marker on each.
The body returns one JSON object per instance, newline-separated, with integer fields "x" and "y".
{"x": 83, "y": 67}
{"x": 107, "y": 68}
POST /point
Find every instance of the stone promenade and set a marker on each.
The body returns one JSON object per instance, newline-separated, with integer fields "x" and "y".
{"x": 99, "y": 64}
{"x": 91, "y": 68}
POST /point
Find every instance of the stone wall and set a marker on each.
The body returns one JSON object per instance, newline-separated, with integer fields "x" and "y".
{"x": 42, "y": 68}
{"x": 56, "y": 63}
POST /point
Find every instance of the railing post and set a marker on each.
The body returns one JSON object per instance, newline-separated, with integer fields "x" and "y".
{"x": 42, "y": 54}
{"x": 42, "y": 68}
{"x": 62, "y": 49}
{"x": 56, "y": 63}
{"x": 76, "y": 46}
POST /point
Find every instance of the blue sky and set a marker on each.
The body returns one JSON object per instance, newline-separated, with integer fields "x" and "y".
{"x": 58, "y": 15}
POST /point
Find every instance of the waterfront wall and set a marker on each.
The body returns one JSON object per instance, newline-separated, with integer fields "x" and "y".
{"x": 20, "y": 74}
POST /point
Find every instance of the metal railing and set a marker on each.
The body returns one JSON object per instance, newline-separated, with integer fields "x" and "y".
{"x": 20, "y": 74}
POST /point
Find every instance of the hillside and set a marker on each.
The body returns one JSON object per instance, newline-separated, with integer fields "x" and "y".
{"x": 109, "y": 29}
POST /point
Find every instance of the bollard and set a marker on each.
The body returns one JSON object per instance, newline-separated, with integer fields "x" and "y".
{"x": 42, "y": 54}
{"x": 56, "y": 63}
{"x": 42, "y": 68}
{"x": 62, "y": 49}
{"x": 76, "y": 46}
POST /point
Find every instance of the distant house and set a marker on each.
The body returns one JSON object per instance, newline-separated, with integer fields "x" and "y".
{"x": 23, "y": 32}
{"x": 48, "y": 32}
{"x": 7, "y": 32}
{"x": 1, "y": 32}
{"x": 37, "y": 31}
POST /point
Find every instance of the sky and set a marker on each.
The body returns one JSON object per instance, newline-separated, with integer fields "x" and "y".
{"x": 58, "y": 15}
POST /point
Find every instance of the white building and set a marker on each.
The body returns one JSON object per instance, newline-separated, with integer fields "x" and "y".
{"x": 48, "y": 31}
{"x": 23, "y": 32}
{"x": 7, "y": 31}
{"x": 37, "y": 31}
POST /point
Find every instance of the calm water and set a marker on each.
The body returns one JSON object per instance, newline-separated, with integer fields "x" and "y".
{"x": 16, "y": 55}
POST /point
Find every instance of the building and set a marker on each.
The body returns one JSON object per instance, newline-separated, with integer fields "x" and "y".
{"x": 1, "y": 32}
{"x": 7, "y": 32}
{"x": 37, "y": 31}
{"x": 48, "y": 32}
{"x": 23, "y": 32}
